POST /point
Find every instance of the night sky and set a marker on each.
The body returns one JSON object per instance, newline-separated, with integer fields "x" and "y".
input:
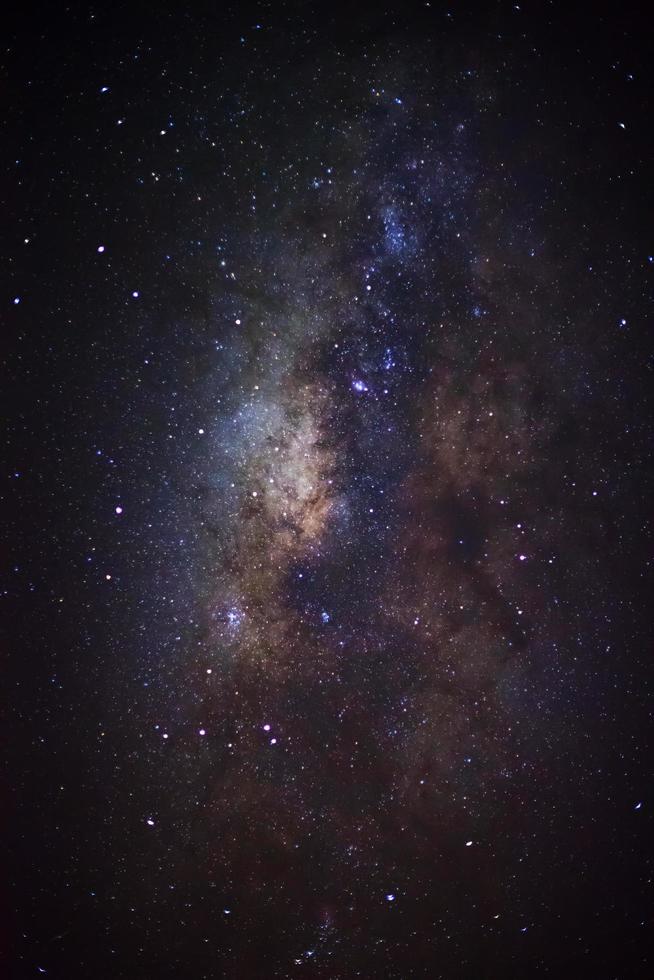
{"x": 326, "y": 338}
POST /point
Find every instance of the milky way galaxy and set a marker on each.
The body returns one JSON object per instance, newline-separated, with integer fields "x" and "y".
{"x": 328, "y": 489}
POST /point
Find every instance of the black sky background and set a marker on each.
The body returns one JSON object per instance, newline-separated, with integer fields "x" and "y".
{"x": 104, "y": 394}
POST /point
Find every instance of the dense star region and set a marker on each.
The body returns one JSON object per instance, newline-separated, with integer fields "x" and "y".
{"x": 326, "y": 481}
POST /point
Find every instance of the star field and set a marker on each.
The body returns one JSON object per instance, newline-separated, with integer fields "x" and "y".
{"x": 326, "y": 586}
